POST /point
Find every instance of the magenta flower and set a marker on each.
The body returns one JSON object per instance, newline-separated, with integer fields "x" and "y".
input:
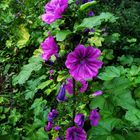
{"x": 69, "y": 86}
{"x": 75, "y": 133}
{"x": 79, "y": 120}
{"x": 94, "y": 117}
{"x": 84, "y": 86}
{"x": 54, "y": 10}
{"x": 83, "y": 62}
{"x": 49, "y": 126}
{"x": 49, "y": 48}
{"x": 97, "y": 93}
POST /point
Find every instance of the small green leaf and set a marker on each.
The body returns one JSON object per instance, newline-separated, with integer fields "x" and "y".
{"x": 23, "y": 35}
{"x": 86, "y": 5}
{"x": 45, "y": 84}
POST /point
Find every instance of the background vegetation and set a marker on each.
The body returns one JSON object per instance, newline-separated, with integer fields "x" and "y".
{"x": 27, "y": 94}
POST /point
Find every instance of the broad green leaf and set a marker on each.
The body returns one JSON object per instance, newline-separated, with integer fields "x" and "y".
{"x": 126, "y": 60}
{"x": 137, "y": 80}
{"x": 110, "y": 73}
{"x": 42, "y": 134}
{"x": 133, "y": 116}
{"x": 91, "y": 22}
{"x": 32, "y": 87}
{"x": 97, "y": 102}
{"x": 62, "y": 34}
{"x": 103, "y": 129}
{"x": 124, "y": 99}
{"x": 35, "y": 63}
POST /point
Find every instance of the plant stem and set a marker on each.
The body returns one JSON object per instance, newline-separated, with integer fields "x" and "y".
{"x": 74, "y": 100}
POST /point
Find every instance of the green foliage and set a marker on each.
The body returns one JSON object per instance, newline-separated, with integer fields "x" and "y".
{"x": 27, "y": 89}
{"x": 35, "y": 64}
{"x": 96, "y": 21}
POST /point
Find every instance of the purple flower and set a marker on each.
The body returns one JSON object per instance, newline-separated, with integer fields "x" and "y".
{"x": 75, "y": 133}
{"x": 69, "y": 86}
{"x": 49, "y": 126}
{"x": 51, "y": 71}
{"x": 77, "y": 2}
{"x": 58, "y": 138}
{"x": 57, "y": 128}
{"x": 83, "y": 62}
{"x": 97, "y": 93}
{"x": 79, "y": 120}
{"x": 94, "y": 117}
{"x": 49, "y": 47}
{"x": 61, "y": 94}
{"x": 54, "y": 10}
{"x": 91, "y": 13}
{"x": 85, "y": 1}
{"x": 52, "y": 115}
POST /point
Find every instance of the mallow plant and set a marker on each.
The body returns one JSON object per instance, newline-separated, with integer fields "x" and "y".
{"x": 69, "y": 53}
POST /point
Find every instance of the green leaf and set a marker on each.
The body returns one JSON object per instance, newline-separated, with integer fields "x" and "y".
{"x": 23, "y": 35}
{"x": 108, "y": 53}
{"x": 62, "y": 34}
{"x": 137, "y": 92}
{"x": 132, "y": 136}
{"x": 133, "y": 116}
{"x": 42, "y": 134}
{"x": 32, "y": 87}
{"x": 104, "y": 129}
{"x": 97, "y": 41}
{"x": 14, "y": 116}
{"x": 110, "y": 73}
{"x": 38, "y": 106}
{"x": 137, "y": 80}
{"x": 124, "y": 99}
{"x": 35, "y": 64}
{"x": 96, "y": 21}
{"x": 1, "y": 99}
{"x": 126, "y": 60}
{"x": 86, "y": 5}
{"x": 45, "y": 84}
{"x": 97, "y": 102}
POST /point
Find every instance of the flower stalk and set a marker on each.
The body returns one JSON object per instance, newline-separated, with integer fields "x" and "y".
{"x": 74, "y": 100}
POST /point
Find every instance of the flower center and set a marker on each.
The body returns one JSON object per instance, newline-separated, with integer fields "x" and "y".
{"x": 82, "y": 61}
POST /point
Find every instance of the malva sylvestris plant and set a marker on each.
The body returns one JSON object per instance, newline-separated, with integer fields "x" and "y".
{"x": 80, "y": 62}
